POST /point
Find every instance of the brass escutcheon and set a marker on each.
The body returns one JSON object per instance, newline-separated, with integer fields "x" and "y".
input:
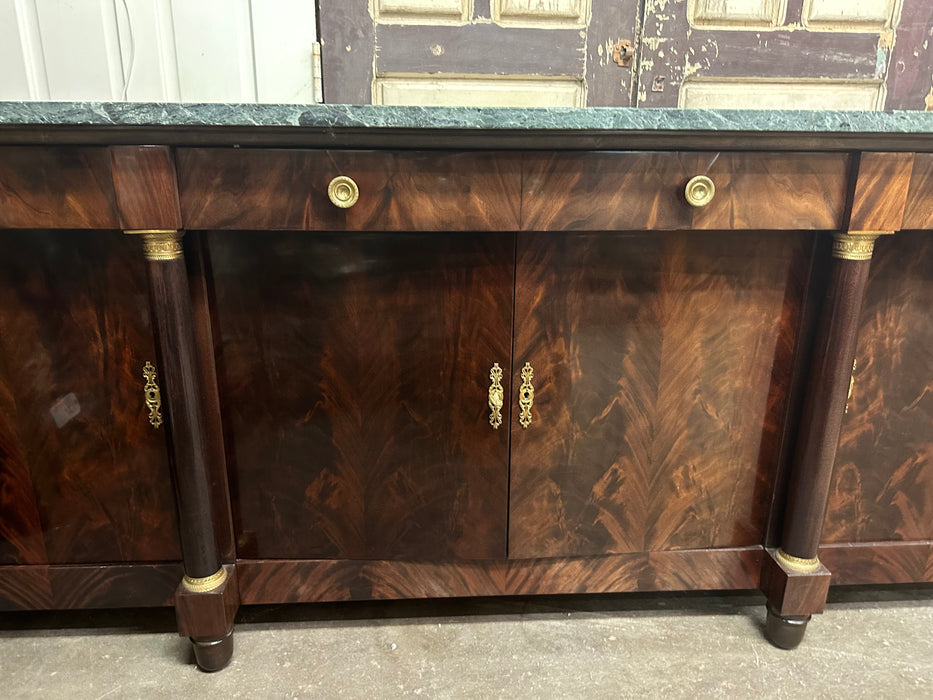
{"x": 153, "y": 396}
{"x": 343, "y": 192}
{"x": 699, "y": 191}
{"x": 526, "y": 395}
{"x": 496, "y": 396}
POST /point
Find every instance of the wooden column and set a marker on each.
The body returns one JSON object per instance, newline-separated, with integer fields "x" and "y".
{"x": 206, "y": 599}
{"x": 792, "y": 577}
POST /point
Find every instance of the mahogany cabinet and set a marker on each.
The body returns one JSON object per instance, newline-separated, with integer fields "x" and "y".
{"x": 460, "y": 371}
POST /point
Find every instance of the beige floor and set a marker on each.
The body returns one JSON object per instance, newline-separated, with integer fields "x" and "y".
{"x": 870, "y": 643}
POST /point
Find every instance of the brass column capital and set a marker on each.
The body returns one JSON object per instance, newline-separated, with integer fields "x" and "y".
{"x": 160, "y": 244}
{"x": 856, "y": 245}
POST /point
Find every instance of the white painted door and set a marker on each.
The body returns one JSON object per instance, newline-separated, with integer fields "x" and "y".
{"x": 157, "y": 50}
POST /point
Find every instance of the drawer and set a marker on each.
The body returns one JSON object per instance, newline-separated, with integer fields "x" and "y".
{"x": 645, "y": 191}
{"x": 398, "y": 191}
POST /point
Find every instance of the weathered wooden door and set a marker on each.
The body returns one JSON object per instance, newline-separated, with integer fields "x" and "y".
{"x": 529, "y": 53}
{"x": 786, "y": 54}
{"x": 766, "y": 54}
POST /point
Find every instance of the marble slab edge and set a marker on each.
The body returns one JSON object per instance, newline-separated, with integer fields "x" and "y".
{"x": 435, "y": 127}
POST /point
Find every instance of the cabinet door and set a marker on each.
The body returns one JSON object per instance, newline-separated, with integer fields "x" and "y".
{"x": 659, "y": 364}
{"x": 84, "y": 476}
{"x": 354, "y": 377}
{"x": 883, "y": 481}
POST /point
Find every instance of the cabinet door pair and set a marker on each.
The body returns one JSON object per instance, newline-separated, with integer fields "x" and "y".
{"x": 355, "y": 375}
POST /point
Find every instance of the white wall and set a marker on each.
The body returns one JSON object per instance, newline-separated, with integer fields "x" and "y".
{"x": 157, "y": 50}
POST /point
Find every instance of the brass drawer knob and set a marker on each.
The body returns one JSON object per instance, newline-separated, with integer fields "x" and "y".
{"x": 343, "y": 192}
{"x": 700, "y": 191}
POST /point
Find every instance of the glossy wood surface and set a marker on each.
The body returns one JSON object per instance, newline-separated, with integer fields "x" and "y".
{"x": 354, "y": 377}
{"x": 882, "y": 487}
{"x": 918, "y": 211}
{"x": 821, "y": 420}
{"x": 84, "y": 475}
{"x": 145, "y": 185}
{"x": 208, "y": 344}
{"x": 88, "y": 586}
{"x": 792, "y": 592}
{"x": 400, "y": 191}
{"x": 185, "y": 401}
{"x": 309, "y": 581}
{"x": 645, "y": 191}
{"x": 661, "y": 364}
{"x": 880, "y": 197}
{"x": 56, "y": 187}
{"x": 209, "y": 615}
{"x": 879, "y": 562}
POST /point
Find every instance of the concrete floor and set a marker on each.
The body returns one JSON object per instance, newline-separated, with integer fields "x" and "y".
{"x": 870, "y": 643}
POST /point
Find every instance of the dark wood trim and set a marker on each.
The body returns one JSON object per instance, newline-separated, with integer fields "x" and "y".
{"x": 146, "y": 187}
{"x": 879, "y": 562}
{"x": 208, "y": 615}
{"x": 880, "y": 195}
{"x": 821, "y": 421}
{"x": 464, "y": 138}
{"x": 198, "y": 268}
{"x": 309, "y": 581}
{"x": 817, "y": 279}
{"x": 91, "y": 586}
{"x": 53, "y": 187}
{"x": 183, "y": 397}
{"x": 793, "y": 593}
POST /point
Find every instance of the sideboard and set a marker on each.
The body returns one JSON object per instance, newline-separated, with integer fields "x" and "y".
{"x": 265, "y": 354}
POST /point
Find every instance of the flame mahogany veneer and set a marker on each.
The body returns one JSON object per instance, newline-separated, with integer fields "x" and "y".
{"x": 327, "y": 432}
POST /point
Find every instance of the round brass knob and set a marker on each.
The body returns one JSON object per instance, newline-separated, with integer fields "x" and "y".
{"x": 343, "y": 192}
{"x": 700, "y": 191}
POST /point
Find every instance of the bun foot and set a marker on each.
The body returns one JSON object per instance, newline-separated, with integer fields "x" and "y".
{"x": 785, "y": 632}
{"x": 213, "y": 654}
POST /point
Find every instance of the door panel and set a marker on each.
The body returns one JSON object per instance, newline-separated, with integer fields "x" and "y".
{"x": 808, "y": 54}
{"x": 355, "y": 378}
{"x": 480, "y": 53}
{"x": 883, "y": 479}
{"x": 84, "y": 477}
{"x": 659, "y": 362}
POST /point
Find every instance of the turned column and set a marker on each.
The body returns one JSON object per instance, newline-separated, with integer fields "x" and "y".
{"x": 206, "y": 599}
{"x": 793, "y": 579}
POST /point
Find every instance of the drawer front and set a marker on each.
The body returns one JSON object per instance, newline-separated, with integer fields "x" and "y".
{"x": 645, "y": 191}
{"x": 400, "y": 191}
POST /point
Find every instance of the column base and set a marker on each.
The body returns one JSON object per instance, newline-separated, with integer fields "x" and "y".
{"x": 785, "y": 632}
{"x": 794, "y": 596}
{"x": 213, "y": 654}
{"x": 206, "y": 618}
